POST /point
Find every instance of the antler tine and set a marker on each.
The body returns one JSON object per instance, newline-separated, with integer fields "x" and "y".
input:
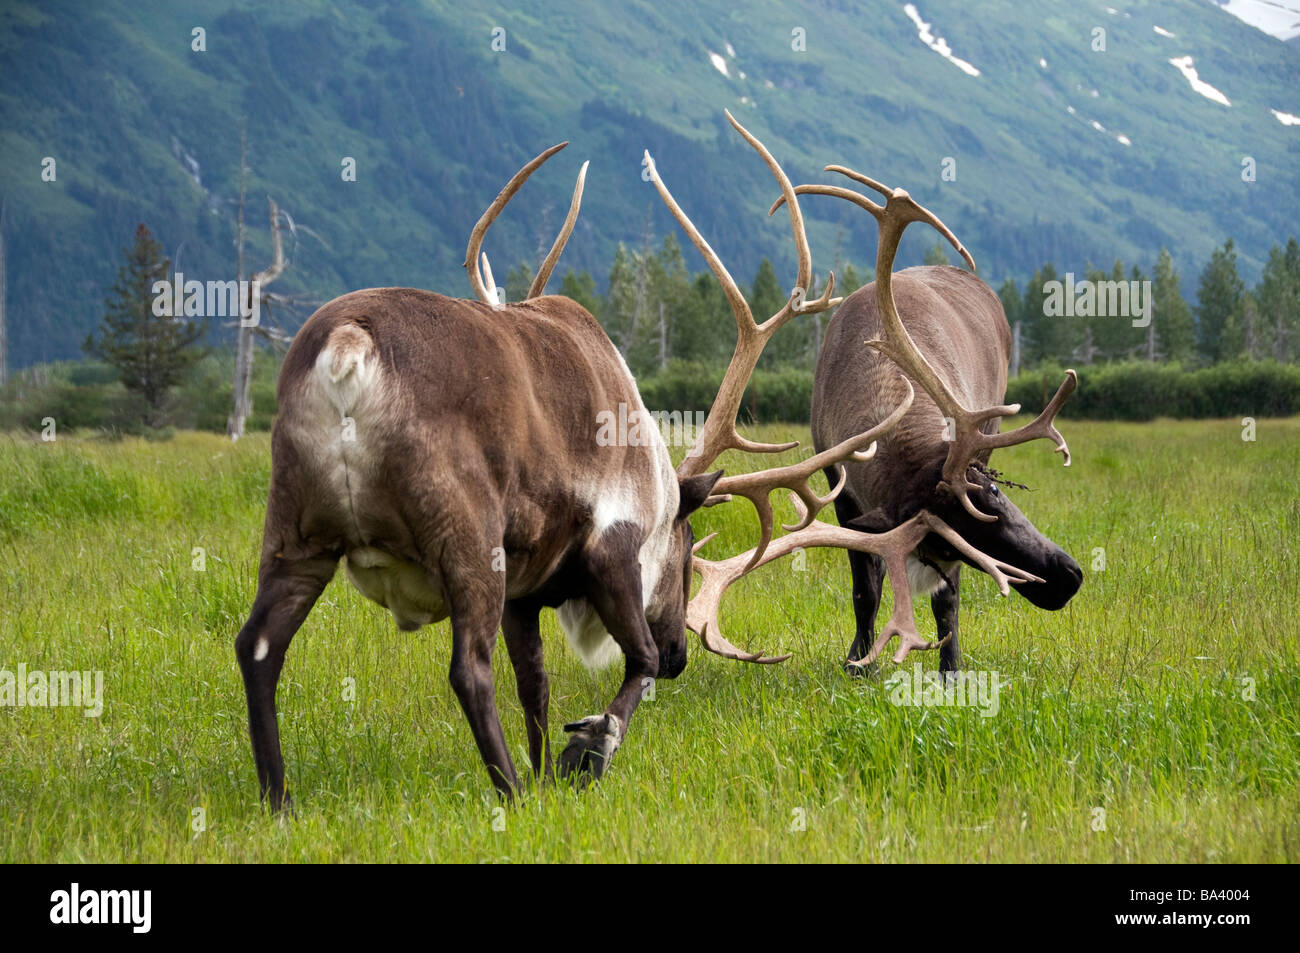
{"x": 739, "y": 306}
{"x": 797, "y": 477}
{"x": 866, "y": 180}
{"x": 878, "y": 211}
{"x": 489, "y": 216}
{"x": 562, "y": 239}
{"x": 968, "y": 439}
{"x": 719, "y": 431}
{"x": 892, "y": 546}
{"x": 803, "y": 254}
{"x": 922, "y": 213}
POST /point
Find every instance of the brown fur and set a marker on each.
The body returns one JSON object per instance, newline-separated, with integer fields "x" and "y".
{"x": 504, "y": 401}
{"x": 958, "y": 325}
{"x": 424, "y": 438}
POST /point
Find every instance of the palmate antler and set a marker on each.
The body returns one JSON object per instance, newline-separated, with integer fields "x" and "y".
{"x": 967, "y": 437}
{"x": 488, "y": 293}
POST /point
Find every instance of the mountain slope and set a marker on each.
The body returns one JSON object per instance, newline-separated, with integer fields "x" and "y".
{"x": 1061, "y": 152}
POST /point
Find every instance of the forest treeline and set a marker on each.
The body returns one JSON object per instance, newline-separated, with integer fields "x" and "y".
{"x": 1232, "y": 349}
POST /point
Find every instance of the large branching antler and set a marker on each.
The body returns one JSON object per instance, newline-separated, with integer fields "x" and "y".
{"x": 893, "y": 547}
{"x": 719, "y": 433}
{"x": 967, "y": 436}
{"x": 488, "y": 295}
{"x": 757, "y": 487}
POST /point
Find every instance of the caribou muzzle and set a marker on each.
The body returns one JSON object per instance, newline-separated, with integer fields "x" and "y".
{"x": 1061, "y": 576}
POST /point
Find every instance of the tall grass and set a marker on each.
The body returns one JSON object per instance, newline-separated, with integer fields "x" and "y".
{"x": 1153, "y": 719}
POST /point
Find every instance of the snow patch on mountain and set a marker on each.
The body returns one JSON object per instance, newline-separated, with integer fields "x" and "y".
{"x": 1164, "y": 32}
{"x": 937, "y": 43}
{"x": 1286, "y": 119}
{"x": 719, "y": 63}
{"x": 1279, "y": 18}
{"x": 1187, "y": 67}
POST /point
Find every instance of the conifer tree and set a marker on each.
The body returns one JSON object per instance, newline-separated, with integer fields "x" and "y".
{"x": 151, "y": 351}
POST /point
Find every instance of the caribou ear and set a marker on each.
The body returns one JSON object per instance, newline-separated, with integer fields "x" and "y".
{"x": 693, "y": 491}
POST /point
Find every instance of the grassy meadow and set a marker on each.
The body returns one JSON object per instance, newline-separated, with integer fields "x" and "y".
{"x": 1154, "y": 719}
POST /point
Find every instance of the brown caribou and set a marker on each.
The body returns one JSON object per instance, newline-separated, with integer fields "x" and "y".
{"x": 448, "y": 451}
{"x": 946, "y": 330}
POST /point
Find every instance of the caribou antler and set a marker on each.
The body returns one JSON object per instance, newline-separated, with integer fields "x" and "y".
{"x": 757, "y": 487}
{"x": 719, "y": 433}
{"x": 967, "y": 437}
{"x": 893, "y": 547}
{"x": 472, "y": 252}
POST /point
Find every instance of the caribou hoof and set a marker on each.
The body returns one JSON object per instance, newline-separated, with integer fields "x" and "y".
{"x": 595, "y": 739}
{"x": 284, "y": 812}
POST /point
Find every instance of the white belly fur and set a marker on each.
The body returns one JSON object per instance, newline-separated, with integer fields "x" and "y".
{"x": 410, "y": 592}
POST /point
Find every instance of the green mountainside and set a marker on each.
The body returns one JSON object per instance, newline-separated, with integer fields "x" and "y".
{"x": 144, "y": 128}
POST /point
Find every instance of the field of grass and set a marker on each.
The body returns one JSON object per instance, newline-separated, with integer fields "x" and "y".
{"x": 1153, "y": 719}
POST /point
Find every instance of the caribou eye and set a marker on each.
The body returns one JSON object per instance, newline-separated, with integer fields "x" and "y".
{"x": 994, "y": 489}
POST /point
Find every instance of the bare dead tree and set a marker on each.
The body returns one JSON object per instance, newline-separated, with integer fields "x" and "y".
{"x": 1251, "y": 314}
{"x": 243, "y": 404}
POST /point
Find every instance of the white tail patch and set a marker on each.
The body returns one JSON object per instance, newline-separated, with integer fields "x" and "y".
{"x": 587, "y": 635}
{"x": 346, "y": 367}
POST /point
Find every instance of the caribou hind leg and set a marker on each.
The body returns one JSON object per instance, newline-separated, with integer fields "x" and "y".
{"x": 476, "y": 593}
{"x": 524, "y": 643}
{"x": 286, "y": 591}
{"x": 944, "y": 603}
{"x": 614, "y": 590}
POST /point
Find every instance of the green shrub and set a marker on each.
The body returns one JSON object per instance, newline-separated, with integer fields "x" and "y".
{"x": 783, "y": 395}
{"x": 1143, "y": 391}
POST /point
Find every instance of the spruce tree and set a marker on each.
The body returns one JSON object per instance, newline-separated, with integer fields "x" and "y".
{"x": 766, "y": 298}
{"x": 1218, "y": 307}
{"x": 936, "y": 254}
{"x": 518, "y": 280}
{"x": 582, "y": 289}
{"x": 1278, "y": 293}
{"x": 1172, "y": 318}
{"x": 151, "y": 351}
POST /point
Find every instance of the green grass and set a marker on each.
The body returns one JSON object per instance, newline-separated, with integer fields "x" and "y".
{"x": 1131, "y": 699}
